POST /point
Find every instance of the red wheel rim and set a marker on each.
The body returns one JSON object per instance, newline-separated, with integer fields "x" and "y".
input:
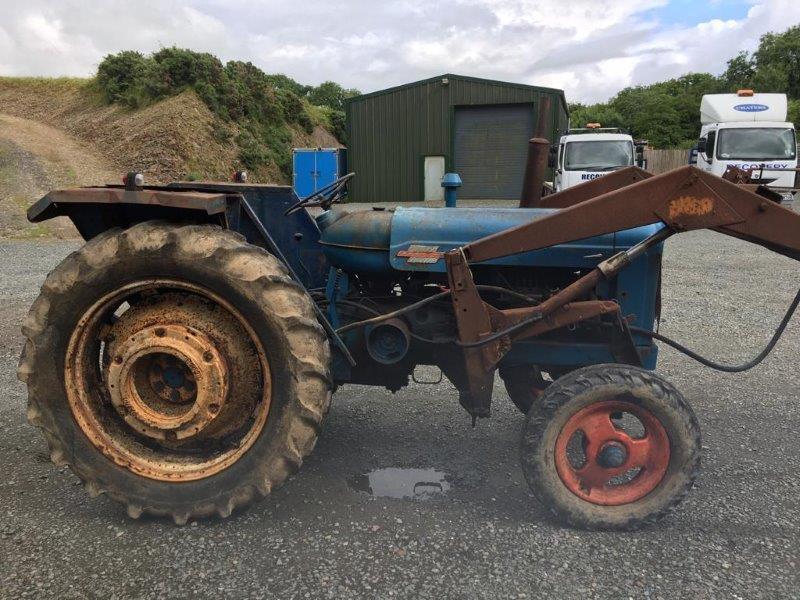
{"x": 592, "y": 481}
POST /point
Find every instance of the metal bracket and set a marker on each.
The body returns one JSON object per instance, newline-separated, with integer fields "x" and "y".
{"x": 474, "y": 323}
{"x": 273, "y": 247}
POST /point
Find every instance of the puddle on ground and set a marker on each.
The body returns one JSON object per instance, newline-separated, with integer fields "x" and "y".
{"x": 409, "y": 484}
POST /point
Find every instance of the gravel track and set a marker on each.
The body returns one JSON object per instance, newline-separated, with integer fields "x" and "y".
{"x": 737, "y": 535}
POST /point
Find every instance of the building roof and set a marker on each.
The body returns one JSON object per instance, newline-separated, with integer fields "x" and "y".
{"x": 479, "y": 80}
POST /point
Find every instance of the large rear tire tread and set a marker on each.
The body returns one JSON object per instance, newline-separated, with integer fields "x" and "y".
{"x": 256, "y": 274}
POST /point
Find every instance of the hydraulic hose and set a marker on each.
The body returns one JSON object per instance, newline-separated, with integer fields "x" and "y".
{"x": 393, "y": 314}
{"x": 718, "y": 366}
{"x": 428, "y": 300}
{"x": 638, "y": 330}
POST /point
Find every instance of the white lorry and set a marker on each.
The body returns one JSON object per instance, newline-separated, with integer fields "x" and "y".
{"x": 591, "y": 152}
{"x": 749, "y": 131}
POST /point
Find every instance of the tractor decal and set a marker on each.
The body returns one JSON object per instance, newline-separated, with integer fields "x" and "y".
{"x": 421, "y": 255}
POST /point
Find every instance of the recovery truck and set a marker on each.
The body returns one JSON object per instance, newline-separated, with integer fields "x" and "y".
{"x": 749, "y": 131}
{"x": 586, "y": 153}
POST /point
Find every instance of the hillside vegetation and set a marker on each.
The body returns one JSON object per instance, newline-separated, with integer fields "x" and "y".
{"x": 174, "y": 115}
{"x": 667, "y": 114}
{"x": 179, "y": 114}
{"x": 260, "y": 113}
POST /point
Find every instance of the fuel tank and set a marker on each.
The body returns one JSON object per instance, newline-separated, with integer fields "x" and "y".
{"x": 357, "y": 240}
{"x": 378, "y": 240}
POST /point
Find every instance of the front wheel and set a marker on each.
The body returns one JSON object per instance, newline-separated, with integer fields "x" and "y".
{"x": 610, "y": 447}
{"x": 178, "y": 369}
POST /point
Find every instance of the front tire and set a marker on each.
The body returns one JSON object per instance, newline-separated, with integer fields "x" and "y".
{"x": 610, "y": 447}
{"x": 177, "y": 369}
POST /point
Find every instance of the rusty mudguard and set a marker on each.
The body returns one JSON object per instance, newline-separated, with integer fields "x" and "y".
{"x": 95, "y": 209}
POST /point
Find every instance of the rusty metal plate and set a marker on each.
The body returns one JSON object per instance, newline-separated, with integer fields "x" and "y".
{"x": 596, "y": 187}
{"x": 685, "y": 198}
{"x": 45, "y": 208}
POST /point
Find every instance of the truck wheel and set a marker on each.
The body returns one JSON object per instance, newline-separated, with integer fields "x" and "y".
{"x": 524, "y": 384}
{"x": 610, "y": 447}
{"x": 177, "y": 369}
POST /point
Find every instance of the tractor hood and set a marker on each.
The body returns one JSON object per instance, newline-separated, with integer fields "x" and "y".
{"x": 415, "y": 238}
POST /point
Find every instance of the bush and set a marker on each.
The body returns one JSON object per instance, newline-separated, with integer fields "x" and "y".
{"x": 119, "y": 74}
{"x": 294, "y": 110}
{"x": 281, "y": 82}
{"x": 331, "y": 94}
{"x": 263, "y": 106}
{"x": 339, "y": 126}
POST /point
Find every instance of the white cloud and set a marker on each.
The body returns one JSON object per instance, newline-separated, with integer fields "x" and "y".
{"x": 43, "y": 34}
{"x": 589, "y": 48}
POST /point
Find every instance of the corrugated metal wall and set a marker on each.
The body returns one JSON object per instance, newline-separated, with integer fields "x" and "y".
{"x": 491, "y": 149}
{"x": 390, "y": 132}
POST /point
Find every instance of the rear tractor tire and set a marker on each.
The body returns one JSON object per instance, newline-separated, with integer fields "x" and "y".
{"x": 610, "y": 447}
{"x": 524, "y": 384}
{"x": 177, "y": 369}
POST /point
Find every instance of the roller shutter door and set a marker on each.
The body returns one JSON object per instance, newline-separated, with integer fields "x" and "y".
{"x": 491, "y": 145}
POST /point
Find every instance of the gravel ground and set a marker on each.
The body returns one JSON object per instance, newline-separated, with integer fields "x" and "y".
{"x": 736, "y": 536}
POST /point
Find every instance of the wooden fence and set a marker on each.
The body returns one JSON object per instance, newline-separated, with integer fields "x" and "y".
{"x": 661, "y": 161}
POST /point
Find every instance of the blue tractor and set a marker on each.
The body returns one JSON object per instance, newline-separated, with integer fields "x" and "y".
{"x": 183, "y": 360}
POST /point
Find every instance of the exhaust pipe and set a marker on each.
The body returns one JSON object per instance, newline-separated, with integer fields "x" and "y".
{"x": 536, "y": 166}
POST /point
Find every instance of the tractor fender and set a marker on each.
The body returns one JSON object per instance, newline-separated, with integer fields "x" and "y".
{"x": 94, "y": 210}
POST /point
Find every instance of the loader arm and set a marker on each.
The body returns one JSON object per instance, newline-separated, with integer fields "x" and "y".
{"x": 593, "y": 188}
{"x": 684, "y": 199}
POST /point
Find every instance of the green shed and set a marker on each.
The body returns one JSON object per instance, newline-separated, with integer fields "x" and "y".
{"x": 403, "y": 139}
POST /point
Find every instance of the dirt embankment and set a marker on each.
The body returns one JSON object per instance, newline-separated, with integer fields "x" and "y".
{"x": 35, "y": 158}
{"x": 59, "y": 133}
{"x": 173, "y": 139}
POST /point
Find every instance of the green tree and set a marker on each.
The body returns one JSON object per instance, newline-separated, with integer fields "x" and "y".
{"x": 651, "y": 114}
{"x": 604, "y": 114}
{"x": 331, "y": 94}
{"x": 777, "y": 62}
{"x": 175, "y": 69}
{"x": 119, "y": 74}
{"x": 284, "y": 82}
{"x": 667, "y": 113}
{"x": 659, "y": 121}
{"x": 794, "y": 112}
{"x": 740, "y": 73}
{"x": 687, "y": 92}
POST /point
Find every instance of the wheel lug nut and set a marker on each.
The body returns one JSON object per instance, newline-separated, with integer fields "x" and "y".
{"x": 118, "y": 360}
{"x": 208, "y": 357}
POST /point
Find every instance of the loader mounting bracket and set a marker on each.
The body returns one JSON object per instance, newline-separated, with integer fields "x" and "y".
{"x": 684, "y": 199}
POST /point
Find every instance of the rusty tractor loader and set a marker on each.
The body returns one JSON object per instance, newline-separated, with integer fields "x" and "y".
{"x": 182, "y": 361}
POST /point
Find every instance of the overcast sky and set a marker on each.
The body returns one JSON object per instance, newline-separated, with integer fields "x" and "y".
{"x": 590, "y": 48}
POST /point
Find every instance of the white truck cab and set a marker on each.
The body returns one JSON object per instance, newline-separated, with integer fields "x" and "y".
{"x": 591, "y": 152}
{"x": 749, "y": 131}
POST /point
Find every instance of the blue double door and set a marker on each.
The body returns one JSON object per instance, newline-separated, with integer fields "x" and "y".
{"x": 314, "y": 169}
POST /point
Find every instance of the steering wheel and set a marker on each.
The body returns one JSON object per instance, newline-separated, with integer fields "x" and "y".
{"x": 324, "y": 197}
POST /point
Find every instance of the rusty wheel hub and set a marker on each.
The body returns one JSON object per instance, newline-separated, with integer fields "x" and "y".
{"x": 614, "y": 466}
{"x": 168, "y": 380}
